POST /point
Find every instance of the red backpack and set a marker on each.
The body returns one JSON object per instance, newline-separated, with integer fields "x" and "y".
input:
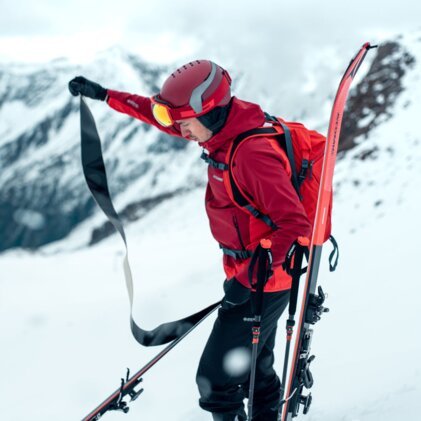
{"x": 304, "y": 150}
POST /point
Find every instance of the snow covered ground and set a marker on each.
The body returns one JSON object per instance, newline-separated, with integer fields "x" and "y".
{"x": 65, "y": 324}
{"x": 66, "y": 339}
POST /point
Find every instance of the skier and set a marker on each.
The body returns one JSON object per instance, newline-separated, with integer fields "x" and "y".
{"x": 195, "y": 103}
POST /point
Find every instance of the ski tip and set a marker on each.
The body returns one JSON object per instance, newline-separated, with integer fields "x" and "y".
{"x": 368, "y": 46}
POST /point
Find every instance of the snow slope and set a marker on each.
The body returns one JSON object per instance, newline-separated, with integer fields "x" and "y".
{"x": 64, "y": 317}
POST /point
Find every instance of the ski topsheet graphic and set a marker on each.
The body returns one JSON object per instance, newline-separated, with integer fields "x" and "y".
{"x": 311, "y": 302}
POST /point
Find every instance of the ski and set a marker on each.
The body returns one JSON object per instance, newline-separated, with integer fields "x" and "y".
{"x": 311, "y": 302}
{"x": 116, "y": 402}
{"x": 166, "y": 333}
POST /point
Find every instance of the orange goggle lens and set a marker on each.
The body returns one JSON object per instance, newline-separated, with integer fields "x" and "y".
{"x": 162, "y": 115}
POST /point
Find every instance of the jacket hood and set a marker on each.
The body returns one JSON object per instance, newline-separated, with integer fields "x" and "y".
{"x": 242, "y": 116}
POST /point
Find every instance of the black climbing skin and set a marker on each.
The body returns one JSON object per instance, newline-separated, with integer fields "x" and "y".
{"x": 96, "y": 178}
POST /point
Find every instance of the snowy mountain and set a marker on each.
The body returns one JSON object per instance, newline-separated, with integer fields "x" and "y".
{"x": 42, "y": 191}
{"x": 64, "y": 316}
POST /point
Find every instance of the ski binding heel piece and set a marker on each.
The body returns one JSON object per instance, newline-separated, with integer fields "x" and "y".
{"x": 315, "y": 307}
{"x": 306, "y": 402}
{"x": 134, "y": 395}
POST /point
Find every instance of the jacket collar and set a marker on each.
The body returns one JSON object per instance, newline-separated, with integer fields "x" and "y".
{"x": 242, "y": 116}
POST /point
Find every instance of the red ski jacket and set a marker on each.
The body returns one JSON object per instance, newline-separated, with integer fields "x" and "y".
{"x": 259, "y": 170}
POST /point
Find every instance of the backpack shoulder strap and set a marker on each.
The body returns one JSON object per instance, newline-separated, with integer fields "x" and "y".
{"x": 289, "y": 151}
{"x": 236, "y": 194}
{"x": 282, "y": 133}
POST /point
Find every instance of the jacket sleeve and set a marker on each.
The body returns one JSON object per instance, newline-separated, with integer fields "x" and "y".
{"x": 260, "y": 171}
{"x": 138, "y": 107}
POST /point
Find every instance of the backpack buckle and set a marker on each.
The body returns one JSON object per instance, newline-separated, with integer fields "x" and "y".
{"x": 306, "y": 166}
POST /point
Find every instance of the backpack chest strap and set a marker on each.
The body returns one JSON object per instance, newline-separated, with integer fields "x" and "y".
{"x": 236, "y": 254}
{"x": 215, "y": 164}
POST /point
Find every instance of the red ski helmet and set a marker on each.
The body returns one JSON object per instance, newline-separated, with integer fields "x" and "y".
{"x": 191, "y": 91}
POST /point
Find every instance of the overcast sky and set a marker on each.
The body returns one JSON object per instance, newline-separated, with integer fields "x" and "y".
{"x": 164, "y": 30}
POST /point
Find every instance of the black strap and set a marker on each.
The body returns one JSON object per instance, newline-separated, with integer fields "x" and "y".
{"x": 296, "y": 273}
{"x": 259, "y": 215}
{"x": 239, "y": 198}
{"x": 298, "y": 252}
{"x": 96, "y": 178}
{"x": 306, "y": 166}
{"x": 332, "y": 267}
{"x": 285, "y": 142}
{"x": 296, "y": 182}
{"x": 290, "y": 154}
{"x": 263, "y": 258}
{"x": 236, "y": 254}
{"x": 290, "y": 255}
{"x": 215, "y": 164}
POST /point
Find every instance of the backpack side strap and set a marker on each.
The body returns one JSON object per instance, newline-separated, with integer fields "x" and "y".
{"x": 290, "y": 154}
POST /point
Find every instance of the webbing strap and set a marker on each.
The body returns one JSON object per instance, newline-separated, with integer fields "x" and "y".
{"x": 332, "y": 266}
{"x": 96, "y": 178}
{"x": 236, "y": 254}
{"x": 263, "y": 258}
{"x": 215, "y": 164}
{"x": 257, "y": 214}
{"x": 296, "y": 275}
{"x": 239, "y": 198}
{"x": 290, "y": 154}
{"x": 306, "y": 165}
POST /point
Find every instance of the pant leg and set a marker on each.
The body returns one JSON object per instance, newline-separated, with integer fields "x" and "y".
{"x": 222, "y": 391}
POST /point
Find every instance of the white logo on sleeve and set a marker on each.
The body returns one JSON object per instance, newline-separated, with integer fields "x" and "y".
{"x": 132, "y": 103}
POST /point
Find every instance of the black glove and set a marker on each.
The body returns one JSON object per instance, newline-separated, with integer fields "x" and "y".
{"x": 235, "y": 294}
{"x": 83, "y": 86}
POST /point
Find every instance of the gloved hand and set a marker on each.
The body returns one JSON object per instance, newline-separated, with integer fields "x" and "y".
{"x": 83, "y": 86}
{"x": 235, "y": 294}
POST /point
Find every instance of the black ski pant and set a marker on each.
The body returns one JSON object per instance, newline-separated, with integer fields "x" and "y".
{"x": 223, "y": 392}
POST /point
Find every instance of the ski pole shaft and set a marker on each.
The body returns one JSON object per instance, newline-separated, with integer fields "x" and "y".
{"x": 255, "y": 345}
{"x": 263, "y": 255}
{"x": 296, "y": 275}
{"x": 290, "y": 322}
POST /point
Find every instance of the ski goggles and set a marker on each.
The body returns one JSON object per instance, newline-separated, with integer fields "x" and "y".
{"x": 166, "y": 114}
{"x": 163, "y": 112}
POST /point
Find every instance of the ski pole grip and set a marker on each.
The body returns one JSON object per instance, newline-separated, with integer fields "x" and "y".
{"x": 303, "y": 241}
{"x": 265, "y": 243}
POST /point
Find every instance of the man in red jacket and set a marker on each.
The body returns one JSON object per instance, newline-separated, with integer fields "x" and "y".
{"x": 195, "y": 103}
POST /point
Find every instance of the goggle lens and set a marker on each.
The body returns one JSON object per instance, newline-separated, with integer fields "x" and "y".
{"x": 162, "y": 115}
